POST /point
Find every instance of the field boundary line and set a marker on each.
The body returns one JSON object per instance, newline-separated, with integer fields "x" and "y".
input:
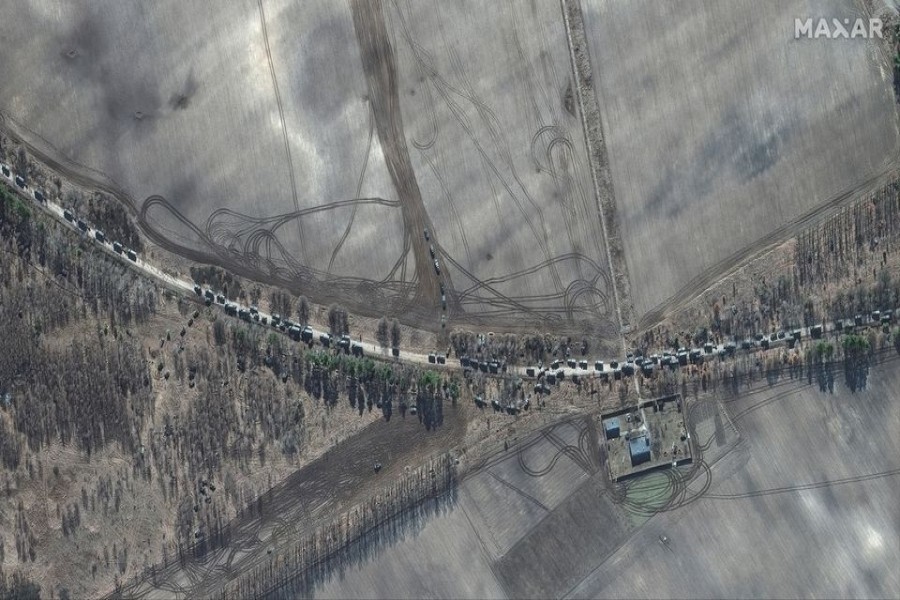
{"x": 597, "y": 158}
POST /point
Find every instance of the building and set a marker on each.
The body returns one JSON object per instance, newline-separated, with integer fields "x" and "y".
{"x": 639, "y": 448}
{"x": 611, "y": 428}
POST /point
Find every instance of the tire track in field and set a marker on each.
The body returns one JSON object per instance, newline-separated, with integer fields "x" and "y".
{"x": 805, "y": 486}
{"x": 519, "y": 491}
{"x": 380, "y": 69}
{"x": 489, "y": 119}
{"x": 284, "y": 131}
{"x": 359, "y": 184}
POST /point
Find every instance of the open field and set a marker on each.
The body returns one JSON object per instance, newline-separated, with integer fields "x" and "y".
{"x": 803, "y": 506}
{"x": 778, "y": 472}
{"x": 305, "y": 499}
{"x": 500, "y": 159}
{"x": 724, "y": 132}
{"x": 314, "y": 157}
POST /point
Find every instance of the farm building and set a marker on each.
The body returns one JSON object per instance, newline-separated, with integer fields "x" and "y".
{"x": 639, "y": 448}
{"x": 611, "y": 428}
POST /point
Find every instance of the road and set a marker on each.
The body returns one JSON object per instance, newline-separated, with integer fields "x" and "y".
{"x": 606, "y": 370}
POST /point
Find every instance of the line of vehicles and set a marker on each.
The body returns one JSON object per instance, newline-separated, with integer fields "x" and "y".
{"x": 296, "y": 331}
{"x": 557, "y": 370}
{"x": 69, "y": 215}
{"x": 547, "y": 374}
{"x": 437, "y": 269}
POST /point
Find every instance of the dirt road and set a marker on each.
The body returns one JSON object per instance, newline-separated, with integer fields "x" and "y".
{"x": 380, "y": 68}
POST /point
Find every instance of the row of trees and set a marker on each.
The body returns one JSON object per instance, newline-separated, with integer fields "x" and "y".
{"x": 352, "y": 537}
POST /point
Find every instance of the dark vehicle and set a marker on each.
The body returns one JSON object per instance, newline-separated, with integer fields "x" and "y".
{"x": 244, "y": 314}
{"x": 427, "y": 236}
{"x": 5, "y": 171}
{"x": 441, "y": 359}
{"x": 117, "y": 248}
{"x": 781, "y": 334}
{"x": 464, "y": 361}
{"x": 345, "y": 342}
{"x": 254, "y": 310}
{"x": 483, "y": 366}
{"x": 432, "y": 358}
{"x": 876, "y": 316}
{"x": 797, "y": 334}
{"x": 494, "y": 367}
{"x": 231, "y": 309}
{"x": 746, "y": 344}
{"x": 276, "y": 319}
{"x": 39, "y": 196}
{"x": 764, "y": 344}
{"x": 555, "y": 364}
{"x": 68, "y": 216}
{"x": 647, "y": 368}
{"x": 356, "y": 349}
{"x": 858, "y": 320}
{"x": 682, "y": 358}
{"x": 255, "y": 316}
{"x": 307, "y": 334}
{"x": 614, "y": 364}
{"x": 628, "y": 369}
{"x": 815, "y": 331}
{"x": 197, "y": 289}
{"x": 325, "y": 339}
{"x": 264, "y": 320}
{"x": 99, "y": 236}
{"x": 82, "y": 225}
{"x": 887, "y": 316}
{"x": 220, "y": 298}
{"x": 598, "y": 366}
{"x": 431, "y": 250}
{"x": 295, "y": 334}
{"x": 395, "y": 351}
{"x": 132, "y": 255}
{"x": 708, "y": 348}
{"x": 20, "y": 182}
{"x": 209, "y": 295}
{"x": 550, "y": 379}
{"x": 529, "y": 371}
{"x": 571, "y": 363}
{"x": 437, "y": 267}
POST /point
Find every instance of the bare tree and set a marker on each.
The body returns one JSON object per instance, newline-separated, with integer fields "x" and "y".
{"x": 396, "y": 334}
{"x": 303, "y": 310}
{"x": 338, "y": 320}
{"x": 280, "y": 303}
{"x": 381, "y": 334}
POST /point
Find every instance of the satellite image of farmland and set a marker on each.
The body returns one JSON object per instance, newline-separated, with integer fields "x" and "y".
{"x": 449, "y": 299}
